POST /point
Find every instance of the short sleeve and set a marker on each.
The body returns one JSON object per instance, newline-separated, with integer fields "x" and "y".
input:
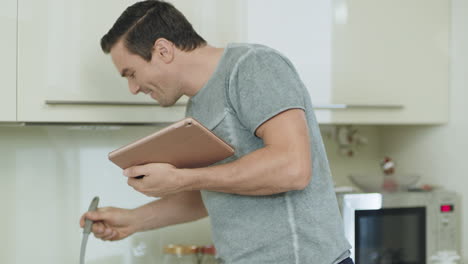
{"x": 262, "y": 85}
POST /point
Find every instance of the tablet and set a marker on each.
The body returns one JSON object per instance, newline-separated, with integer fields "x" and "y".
{"x": 184, "y": 144}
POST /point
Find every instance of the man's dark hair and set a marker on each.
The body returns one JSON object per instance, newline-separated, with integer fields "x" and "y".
{"x": 141, "y": 24}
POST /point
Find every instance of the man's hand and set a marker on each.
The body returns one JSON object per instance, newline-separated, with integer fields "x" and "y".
{"x": 160, "y": 179}
{"x": 111, "y": 223}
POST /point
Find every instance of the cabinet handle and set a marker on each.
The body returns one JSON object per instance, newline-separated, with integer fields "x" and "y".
{"x": 357, "y": 106}
{"x": 106, "y": 103}
{"x": 316, "y": 106}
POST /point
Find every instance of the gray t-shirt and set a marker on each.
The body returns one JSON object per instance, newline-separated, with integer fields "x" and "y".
{"x": 253, "y": 83}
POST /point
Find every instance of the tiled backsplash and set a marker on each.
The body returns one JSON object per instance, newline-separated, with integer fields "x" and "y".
{"x": 49, "y": 174}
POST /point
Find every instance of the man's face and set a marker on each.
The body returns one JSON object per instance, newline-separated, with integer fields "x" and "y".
{"x": 153, "y": 77}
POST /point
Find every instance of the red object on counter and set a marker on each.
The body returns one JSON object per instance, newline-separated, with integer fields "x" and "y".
{"x": 427, "y": 187}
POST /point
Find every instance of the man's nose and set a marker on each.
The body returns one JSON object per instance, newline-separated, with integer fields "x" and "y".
{"x": 133, "y": 87}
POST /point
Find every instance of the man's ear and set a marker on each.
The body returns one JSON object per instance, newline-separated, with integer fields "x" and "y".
{"x": 163, "y": 49}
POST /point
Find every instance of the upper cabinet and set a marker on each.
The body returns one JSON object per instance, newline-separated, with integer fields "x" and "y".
{"x": 392, "y": 52}
{"x": 363, "y": 61}
{"x": 8, "y": 17}
{"x": 63, "y": 76}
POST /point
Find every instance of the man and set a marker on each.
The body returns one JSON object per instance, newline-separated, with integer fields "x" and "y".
{"x": 273, "y": 201}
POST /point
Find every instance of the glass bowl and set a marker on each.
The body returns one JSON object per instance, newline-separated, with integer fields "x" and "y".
{"x": 381, "y": 183}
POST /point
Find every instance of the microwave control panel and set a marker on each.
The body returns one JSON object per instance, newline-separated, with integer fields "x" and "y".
{"x": 447, "y": 221}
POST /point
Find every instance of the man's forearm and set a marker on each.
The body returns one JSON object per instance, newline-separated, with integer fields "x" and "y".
{"x": 175, "y": 209}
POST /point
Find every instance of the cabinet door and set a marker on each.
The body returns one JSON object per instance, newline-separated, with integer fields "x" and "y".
{"x": 8, "y": 16}
{"x": 63, "y": 76}
{"x": 392, "y": 52}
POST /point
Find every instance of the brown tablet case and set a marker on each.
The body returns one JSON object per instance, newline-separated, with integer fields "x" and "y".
{"x": 184, "y": 144}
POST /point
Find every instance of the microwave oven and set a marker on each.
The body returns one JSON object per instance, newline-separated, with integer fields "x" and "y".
{"x": 402, "y": 227}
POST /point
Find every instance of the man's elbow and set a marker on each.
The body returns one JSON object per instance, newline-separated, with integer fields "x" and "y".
{"x": 301, "y": 174}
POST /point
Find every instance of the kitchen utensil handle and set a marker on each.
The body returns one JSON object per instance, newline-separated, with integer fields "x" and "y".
{"x": 89, "y": 223}
{"x": 87, "y": 229}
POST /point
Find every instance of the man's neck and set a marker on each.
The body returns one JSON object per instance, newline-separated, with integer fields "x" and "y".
{"x": 197, "y": 67}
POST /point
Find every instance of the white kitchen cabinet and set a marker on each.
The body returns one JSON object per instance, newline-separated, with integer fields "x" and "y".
{"x": 8, "y": 16}
{"x": 63, "y": 76}
{"x": 393, "y": 52}
{"x": 363, "y": 61}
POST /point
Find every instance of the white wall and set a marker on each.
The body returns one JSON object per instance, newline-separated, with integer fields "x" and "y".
{"x": 440, "y": 153}
{"x": 365, "y": 161}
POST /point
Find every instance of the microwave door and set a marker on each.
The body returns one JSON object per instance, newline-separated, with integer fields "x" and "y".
{"x": 384, "y": 235}
{"x": 391, "y": 235}
{"x": 351, "y": 203}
